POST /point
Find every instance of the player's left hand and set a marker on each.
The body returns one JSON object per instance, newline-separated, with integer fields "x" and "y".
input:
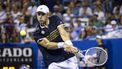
{"x": 70, "y": 49}
{"x": 74, "y": 50}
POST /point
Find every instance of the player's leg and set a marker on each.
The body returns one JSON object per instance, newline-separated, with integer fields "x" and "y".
{"x": 54, "y": 66}
{"x": 71, "y": 63}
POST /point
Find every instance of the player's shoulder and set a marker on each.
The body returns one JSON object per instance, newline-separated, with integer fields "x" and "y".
{"x": 55, "y": 17}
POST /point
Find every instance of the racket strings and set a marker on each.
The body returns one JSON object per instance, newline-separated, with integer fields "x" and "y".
{"x": 98, "y": 57}
{"x": 95, "y": 56}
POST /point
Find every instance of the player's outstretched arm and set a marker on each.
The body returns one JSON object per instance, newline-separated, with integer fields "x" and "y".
{"x": 56, "y": 45}
{"x": 66, "y": 38}
{"x": 47, "y": 44}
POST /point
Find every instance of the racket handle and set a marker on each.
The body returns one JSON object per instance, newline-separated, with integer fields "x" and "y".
{"x": 79, "y": 54}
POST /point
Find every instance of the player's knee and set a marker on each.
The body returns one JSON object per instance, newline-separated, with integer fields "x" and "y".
{"x": 52, "y": 66}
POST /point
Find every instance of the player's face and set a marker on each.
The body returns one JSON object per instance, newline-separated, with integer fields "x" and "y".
{"x": 42, "y": 17}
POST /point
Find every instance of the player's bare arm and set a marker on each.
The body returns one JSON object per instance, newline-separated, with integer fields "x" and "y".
{"x": 54, "y": 45}
{"x": 65, "y": 36}
{"x": 47, "y": 44}
{"x": 63, "y": 33}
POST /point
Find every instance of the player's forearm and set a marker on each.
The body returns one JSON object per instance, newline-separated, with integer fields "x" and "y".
{"x": 56, "y": 45}
{"x": 52, "y": 45}
{"x": 64, "y": 35}
{"x": 67, "y": 48}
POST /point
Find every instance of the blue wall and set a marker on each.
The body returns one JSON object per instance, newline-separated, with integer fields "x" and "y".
{"x": 114, "y": 48}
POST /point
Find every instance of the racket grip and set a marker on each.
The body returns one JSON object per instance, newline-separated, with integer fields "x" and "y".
{"x": 79, "y": 54}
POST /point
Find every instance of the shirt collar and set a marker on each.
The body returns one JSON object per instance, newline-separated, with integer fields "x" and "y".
{"x": 45, "y": 26}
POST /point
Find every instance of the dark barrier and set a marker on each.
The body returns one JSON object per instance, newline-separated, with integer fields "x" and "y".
{"x": 114, "y": 48}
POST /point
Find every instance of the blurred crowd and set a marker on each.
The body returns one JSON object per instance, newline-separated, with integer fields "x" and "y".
{"x": 83, "y": 19}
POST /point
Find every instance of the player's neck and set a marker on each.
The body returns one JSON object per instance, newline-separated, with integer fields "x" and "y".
{"x": 45, "y": 25}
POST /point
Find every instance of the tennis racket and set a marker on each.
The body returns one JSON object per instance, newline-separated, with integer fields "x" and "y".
{"x": 94, "y": 56}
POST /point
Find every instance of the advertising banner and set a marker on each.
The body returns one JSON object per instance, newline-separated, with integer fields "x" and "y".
{"x": 16, "y": 57}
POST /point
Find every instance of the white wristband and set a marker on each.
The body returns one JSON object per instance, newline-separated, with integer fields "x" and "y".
{"x": 68, "y": 42}
{"x": 60, "y": 44}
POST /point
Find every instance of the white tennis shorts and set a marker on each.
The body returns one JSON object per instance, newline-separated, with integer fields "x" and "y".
{"x": 71, "y": 63}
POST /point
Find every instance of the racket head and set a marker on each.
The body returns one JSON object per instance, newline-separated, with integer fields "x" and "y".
{"x": 96, "y": 56}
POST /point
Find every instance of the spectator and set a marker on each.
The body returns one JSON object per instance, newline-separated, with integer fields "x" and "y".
{"x": 2, "y": 13}
{"x": 75, "y": 34}
{"x": 57, "y": 11}
{"x": 88, "y": 32}
{"x": 111, "y": 27}
{"x": 67, "y": 17}
{"x": 11, "y": 32}
{"x": 94, "y": 21}
{"x": 85, "y": 10}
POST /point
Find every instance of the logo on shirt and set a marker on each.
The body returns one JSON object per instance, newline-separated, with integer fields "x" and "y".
{"x": 43, "y": 32}
{"x": 61, "y": 22}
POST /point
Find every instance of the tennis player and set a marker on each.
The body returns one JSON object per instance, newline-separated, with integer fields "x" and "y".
{"x": 53, "y": 41}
